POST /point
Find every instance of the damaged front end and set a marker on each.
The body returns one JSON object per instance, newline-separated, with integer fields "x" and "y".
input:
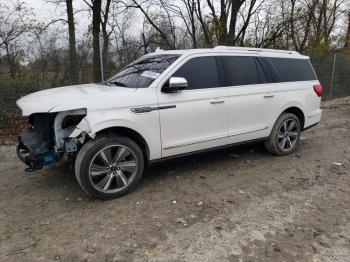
{"x": 47, "y": 138}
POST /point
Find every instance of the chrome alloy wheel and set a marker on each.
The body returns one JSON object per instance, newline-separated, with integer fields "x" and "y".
{"x": 288, "y": 135}
{"x": 113, "y": 168}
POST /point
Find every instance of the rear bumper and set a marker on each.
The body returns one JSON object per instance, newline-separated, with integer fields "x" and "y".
{"x": 306, "y": 128}
{"x": 313, "y": 119}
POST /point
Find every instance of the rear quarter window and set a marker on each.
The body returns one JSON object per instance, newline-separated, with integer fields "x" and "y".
{"x": 293, "y": 69}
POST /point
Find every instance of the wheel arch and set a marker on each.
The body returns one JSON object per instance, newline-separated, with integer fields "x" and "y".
{"x": 298, "y": 113}
{"x": 130, "y": 133}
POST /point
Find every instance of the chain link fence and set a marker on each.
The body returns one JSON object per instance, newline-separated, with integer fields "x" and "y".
{"x": 36, "y": 78}
{"x": 333, "y": 71}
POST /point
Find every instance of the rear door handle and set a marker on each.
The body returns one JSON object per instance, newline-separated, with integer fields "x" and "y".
{"x": 269, "y": 96}
{"x": 217, "y": 102}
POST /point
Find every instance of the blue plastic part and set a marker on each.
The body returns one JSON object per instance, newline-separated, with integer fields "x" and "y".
{"x": 48, "y": 159}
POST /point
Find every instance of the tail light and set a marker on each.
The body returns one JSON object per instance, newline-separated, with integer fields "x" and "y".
{"x": 318, "y": 90}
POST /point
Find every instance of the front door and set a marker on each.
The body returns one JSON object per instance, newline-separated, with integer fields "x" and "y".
{"x": 195, "y": 118}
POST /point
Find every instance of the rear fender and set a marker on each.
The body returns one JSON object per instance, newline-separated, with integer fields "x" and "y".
{"x": 286, "y": 106}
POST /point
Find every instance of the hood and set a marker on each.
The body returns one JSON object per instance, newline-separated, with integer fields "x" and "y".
{"x": 70, "y": 97}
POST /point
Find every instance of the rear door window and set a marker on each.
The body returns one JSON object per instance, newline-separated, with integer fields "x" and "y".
{"x": 293, "y": 69}
{"x": 243, "y": 70}
{"x": 261, "y": 73}
{"x": 200, "y": 72}
{"x": 269, "y": 69}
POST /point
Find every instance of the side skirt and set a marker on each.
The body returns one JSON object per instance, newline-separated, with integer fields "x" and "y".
{"x": 184, "y": 155}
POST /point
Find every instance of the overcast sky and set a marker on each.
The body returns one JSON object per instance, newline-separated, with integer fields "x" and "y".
{"x": 46, "y": 12}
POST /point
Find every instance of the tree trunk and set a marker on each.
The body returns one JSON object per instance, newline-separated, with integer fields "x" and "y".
{"x": 204, "y": 25}
{"x": 292, "y": 29}
{"x": 105, "y": 48}
{"x": 347, "y": 38}
{"x": 243, "y": 31}
{"x": 144, "y": 43}
{"x": 96, "y": 21}
{"x": 11, "y": 61}
{"x": 235, "y": 6}
{"x": 105, "y": 34}
{"x": 73, "y": 62}
{"x": 191, "y": 8}
{"x": 222, "y": 23}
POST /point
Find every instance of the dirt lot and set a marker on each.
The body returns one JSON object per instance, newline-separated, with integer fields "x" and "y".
{"x": 240, "y": 204}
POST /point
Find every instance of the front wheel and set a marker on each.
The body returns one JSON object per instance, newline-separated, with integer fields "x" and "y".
{"x": 109, "y": 167}
{"x": 284, "y": 136}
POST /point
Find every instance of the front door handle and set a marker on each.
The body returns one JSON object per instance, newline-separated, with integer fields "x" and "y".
{"x": 269, "y": 96}
{"x": 217, "y": 102}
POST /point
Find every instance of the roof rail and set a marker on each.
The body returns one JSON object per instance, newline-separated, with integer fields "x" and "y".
{"x": 252, "y": 49}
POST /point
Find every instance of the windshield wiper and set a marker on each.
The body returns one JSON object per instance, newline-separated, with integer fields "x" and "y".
{"x": 117, "y": 83}
{"x": 137, "y": 71}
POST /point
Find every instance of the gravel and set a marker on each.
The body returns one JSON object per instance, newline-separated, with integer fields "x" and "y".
{"x": 255, "y": 207}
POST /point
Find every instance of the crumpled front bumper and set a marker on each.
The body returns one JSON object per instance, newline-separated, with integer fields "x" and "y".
{"x": 34, "y": 151}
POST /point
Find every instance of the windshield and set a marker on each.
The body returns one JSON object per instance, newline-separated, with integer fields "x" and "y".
{"x": 143, "y": 72}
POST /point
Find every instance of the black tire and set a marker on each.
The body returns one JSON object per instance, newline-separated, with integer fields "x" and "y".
{"x": 89, "y": 153}
{"x": 275, "y": 141}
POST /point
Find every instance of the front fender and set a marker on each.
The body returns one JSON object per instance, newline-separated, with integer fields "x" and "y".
{"x": 92, "y": 124}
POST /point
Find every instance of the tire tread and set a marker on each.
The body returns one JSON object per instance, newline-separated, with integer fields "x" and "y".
{"x": 271, "y": 144}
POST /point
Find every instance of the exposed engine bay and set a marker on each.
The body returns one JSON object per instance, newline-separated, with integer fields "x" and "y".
{"x": 47, "y": 139}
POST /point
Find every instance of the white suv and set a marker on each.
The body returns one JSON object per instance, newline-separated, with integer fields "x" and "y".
{"x": 170, "y": 103}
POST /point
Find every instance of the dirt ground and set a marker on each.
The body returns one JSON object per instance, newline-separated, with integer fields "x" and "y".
{"x": 240, "y": 204}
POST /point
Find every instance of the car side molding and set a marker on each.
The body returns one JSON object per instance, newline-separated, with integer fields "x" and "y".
{"x": 147, "y": 109}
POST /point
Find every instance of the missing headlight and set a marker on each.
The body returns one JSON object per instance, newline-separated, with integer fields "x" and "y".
{"x": 71, "y": 121}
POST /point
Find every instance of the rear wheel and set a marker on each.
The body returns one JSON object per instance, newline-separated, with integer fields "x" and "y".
{"x": 109, "y": 167}
{"x": 285, "y": 135}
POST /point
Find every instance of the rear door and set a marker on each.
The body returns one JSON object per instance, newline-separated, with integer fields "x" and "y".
{"x": 252, "y": 99}
{"x": 196, "y": 118}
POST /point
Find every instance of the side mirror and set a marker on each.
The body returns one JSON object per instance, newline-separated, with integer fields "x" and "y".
{"x": 175, "y": 84}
